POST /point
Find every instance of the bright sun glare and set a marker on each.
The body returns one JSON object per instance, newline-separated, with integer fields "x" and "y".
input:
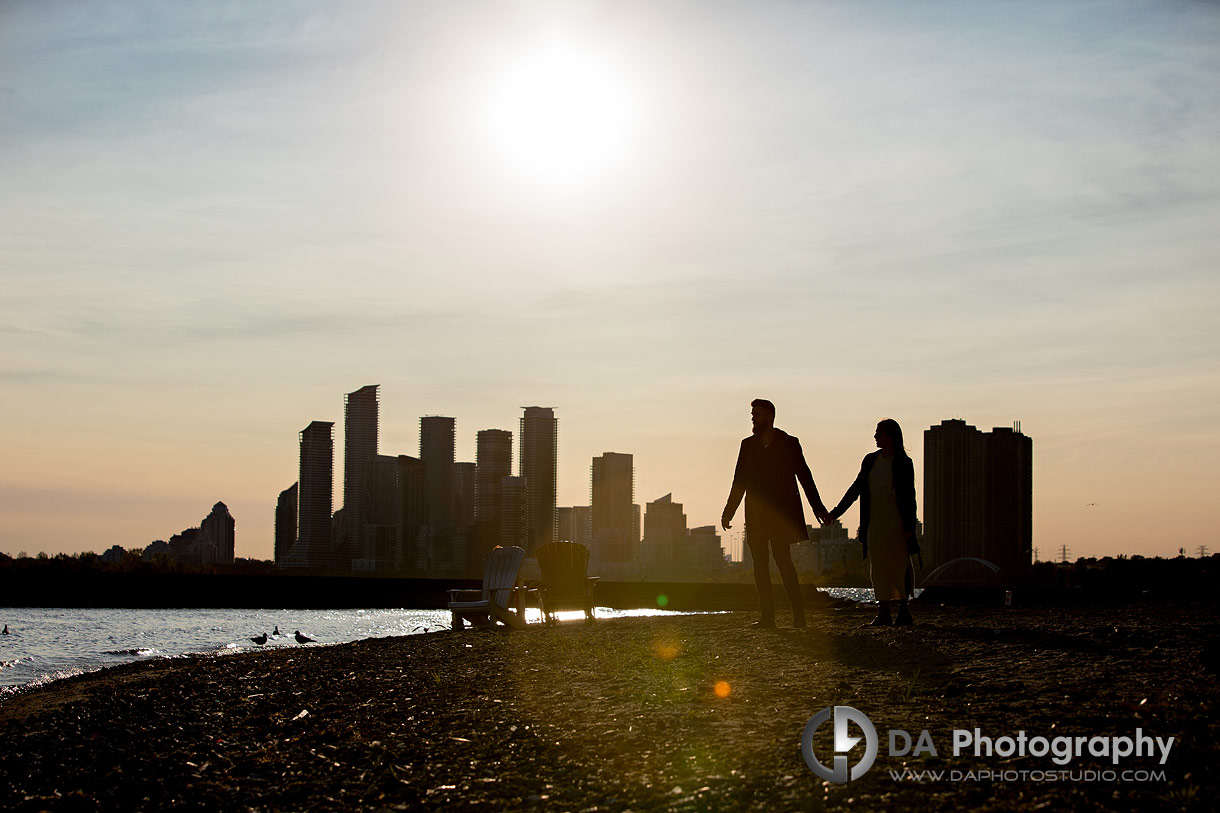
{"x": 561, "y": 117}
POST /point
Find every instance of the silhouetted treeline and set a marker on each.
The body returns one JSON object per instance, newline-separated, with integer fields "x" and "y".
{"x": 1133, "y": 577}
{"x": 131, "y": 562}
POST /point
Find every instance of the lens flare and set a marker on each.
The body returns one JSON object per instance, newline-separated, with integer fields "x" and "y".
{"x": 666, "y": 650}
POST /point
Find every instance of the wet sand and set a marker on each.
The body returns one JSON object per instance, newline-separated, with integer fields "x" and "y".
{"x": 660, "y": 713}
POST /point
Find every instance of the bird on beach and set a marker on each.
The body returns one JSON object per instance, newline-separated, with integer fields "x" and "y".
{"x": 260, "y": 640}
{"x": 276, "y": 632}
{"x": 302, "y": 639}
{"x": 5, "y": 629}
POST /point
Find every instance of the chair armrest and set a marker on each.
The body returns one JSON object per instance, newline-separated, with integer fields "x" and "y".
{"x": 462, "y": 594}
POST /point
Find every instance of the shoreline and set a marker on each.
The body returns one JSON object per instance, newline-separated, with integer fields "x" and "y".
{"x": 653, "y": 713}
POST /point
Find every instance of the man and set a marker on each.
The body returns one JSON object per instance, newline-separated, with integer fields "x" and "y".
{"x": 769, "y": 466}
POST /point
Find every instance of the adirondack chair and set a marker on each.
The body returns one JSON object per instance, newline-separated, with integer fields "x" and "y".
{"x": 566, "y": 583}
{"x": 499, "y": 600}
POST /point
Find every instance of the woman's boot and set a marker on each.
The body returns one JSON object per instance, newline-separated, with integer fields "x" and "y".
{"x": 883, "y": 616}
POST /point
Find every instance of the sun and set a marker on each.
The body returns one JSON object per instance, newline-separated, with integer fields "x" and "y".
{"x": 561, "y": 117}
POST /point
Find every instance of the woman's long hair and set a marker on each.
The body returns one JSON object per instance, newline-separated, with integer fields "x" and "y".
{"x": 891, "y": 428}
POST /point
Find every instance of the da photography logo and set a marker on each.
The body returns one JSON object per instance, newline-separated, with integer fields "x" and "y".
{"x": 843, "y": 743}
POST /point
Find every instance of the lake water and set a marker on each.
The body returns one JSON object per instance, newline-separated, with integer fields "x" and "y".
{"x": 47, "y": 644}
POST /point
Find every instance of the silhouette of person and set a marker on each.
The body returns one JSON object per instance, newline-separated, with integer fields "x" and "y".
{"x": 886, "y": 488}
{"x": 769, "y": 466}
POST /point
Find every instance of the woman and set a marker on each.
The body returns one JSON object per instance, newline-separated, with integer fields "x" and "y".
{"x": 886, "y": 488}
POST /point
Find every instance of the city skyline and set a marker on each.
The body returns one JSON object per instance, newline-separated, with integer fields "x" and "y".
{"x": 218, "y": 218}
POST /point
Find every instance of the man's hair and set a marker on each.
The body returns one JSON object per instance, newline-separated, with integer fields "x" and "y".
{"x": 763, "y": 403}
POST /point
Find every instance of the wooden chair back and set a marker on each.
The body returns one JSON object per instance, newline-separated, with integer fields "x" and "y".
{"x": 565, "y": 568}
{"x": 500, "y": 574}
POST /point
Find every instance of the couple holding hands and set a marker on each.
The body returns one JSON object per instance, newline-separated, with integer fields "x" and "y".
{"x": 769, "y": 466}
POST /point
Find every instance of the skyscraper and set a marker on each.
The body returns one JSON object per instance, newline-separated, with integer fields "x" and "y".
{"x": 445, "y": 553}
{"x": 465, "y": 479}
{"x": 954, "y": 486}
{"x": 217, "y": 536}
{"x": 379, "y": 531}
{"x": 437, "y": 450}
{"x": 514, "y": 505}
{"x": 539, "y": 464}
{"x": 612, "y": 495}
{"x": 977, "y": 495}
{"x": 316, "y": 497}
{"x": 412, "y": 510}
{"x": 494, "y": 458}
{"x": 360, "y": 429}
{"x": 285, "y": 524}
{"x": 664, "y": 533}
{"x": 575, "y": 524}
{"x": 1010, "y": 504}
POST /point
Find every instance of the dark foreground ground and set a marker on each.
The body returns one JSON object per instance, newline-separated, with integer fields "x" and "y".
{"x": 627, "y": 715}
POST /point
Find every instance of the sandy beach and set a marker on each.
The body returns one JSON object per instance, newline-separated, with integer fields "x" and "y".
{"x": 672, "y": 713}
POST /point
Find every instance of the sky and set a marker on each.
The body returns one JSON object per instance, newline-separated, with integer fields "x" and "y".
{"x": 216, "y": 218}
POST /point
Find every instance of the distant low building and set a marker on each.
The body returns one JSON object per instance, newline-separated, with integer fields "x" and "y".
{"x": 158, "y": 546}
{"x": 664, "y": 543}
{"x": 184, "y": 547}
{"x": 703, "y": 548}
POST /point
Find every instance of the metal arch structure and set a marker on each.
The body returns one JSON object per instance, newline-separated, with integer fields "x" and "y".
{"x": 930, "y": 579}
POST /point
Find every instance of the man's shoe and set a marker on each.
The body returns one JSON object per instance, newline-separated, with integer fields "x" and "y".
{"x": 904, "y": 617}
